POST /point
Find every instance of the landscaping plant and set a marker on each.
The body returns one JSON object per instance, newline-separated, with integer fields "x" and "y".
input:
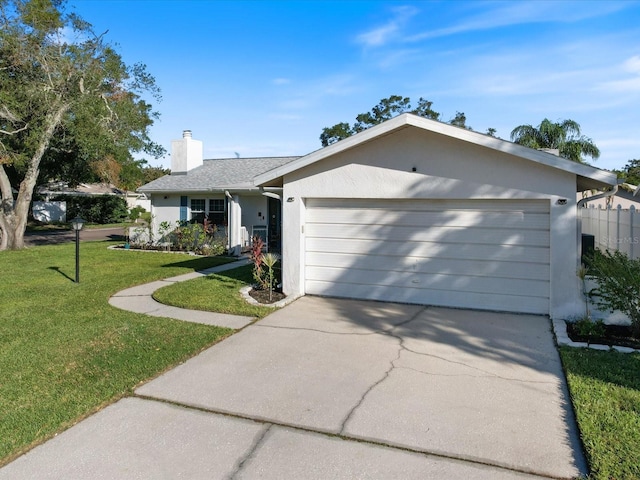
{"x": 257, "y": 245}
{"x": 618, "y": 279}
{"x": 270, "y": 260}
{"x": 187, "y": 237}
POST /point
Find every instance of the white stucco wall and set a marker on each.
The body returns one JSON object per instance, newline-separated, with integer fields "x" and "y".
{"x": 445, "y": 169}
{"x": 164, "y": 208}
{"x": 251, "y": 207}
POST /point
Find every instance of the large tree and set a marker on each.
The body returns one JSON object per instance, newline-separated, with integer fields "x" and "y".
{"x": 66, "y": 97}
{"x": 630, "y": 172}
{"x": 385, "y": 110}
{"x": 564, "y": 136}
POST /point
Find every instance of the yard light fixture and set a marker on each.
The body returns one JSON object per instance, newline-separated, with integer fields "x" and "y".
{"x": 77, "y": 224}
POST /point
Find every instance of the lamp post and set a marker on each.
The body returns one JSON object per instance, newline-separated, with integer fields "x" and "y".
{"x": 77, "y": 224}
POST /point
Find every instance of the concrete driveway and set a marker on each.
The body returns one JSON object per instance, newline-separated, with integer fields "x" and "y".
{"x": 329, "y": 388}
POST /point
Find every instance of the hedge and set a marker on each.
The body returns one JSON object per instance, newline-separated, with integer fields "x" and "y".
{"x": 95, "y": 209}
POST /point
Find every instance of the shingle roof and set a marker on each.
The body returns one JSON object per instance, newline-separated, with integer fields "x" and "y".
{"x": 221, "y": 173}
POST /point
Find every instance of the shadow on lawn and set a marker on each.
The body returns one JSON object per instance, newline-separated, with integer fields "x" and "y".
{"x": 57, "y": 269}
{"x": 242, "y": 274}
{"x": 199, "y": 263}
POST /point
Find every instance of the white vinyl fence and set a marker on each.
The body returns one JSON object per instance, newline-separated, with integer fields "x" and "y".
{"x": 614, "y": 229}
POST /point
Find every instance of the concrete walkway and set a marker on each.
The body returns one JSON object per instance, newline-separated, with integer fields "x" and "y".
{"x": 340, "y": 389}
{"x": 139, "y": 299}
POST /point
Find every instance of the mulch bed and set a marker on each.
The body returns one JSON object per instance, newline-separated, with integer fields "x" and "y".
{"x": 614, "y": 335}
{"x": 262, "y": 296}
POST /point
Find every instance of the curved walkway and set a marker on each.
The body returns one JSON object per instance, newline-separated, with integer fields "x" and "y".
{"x": 139, "y": 300}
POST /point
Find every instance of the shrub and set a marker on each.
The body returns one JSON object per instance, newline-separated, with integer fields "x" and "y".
{"x": 136, "y": 212}
{"x": 198, "y": 238}
{"x": 99, "y": 209}
{"x": 618, "y": 288}
{"x": 586, "y": 327}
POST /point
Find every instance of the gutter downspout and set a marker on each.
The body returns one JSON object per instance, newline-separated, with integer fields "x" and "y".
{"x": 580, "y": 204}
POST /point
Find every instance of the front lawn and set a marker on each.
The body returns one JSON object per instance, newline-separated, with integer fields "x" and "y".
{"x": 605, "y": 390}
{"x": 215, "y": 293}
{"x": 65, "y": 352}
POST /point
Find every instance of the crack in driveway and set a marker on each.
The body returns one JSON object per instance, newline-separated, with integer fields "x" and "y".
{"x": 259, "y": 440}
{"x": 387, "y": 373}
{"x": 389, "y": 332}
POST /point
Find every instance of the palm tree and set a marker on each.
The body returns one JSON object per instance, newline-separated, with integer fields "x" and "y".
{"x": 564, "y": 136}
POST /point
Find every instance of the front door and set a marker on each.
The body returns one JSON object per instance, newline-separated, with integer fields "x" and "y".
{"x": 275, "y": 225}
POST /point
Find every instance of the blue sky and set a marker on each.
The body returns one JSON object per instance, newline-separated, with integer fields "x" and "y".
{"x": 262, "y": 78}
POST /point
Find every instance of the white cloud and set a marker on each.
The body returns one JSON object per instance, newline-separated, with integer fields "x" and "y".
{"x": 522, "y": 12}
{"x": 382, "y": 35}
{"x": 630, "y": 84}
{"x": 632, "y": 64}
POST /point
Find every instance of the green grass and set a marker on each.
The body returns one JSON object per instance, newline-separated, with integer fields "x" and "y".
{"x": 214, "y": 293}
{"x": 65, "y": 352}
{"x": 605, "y": 390}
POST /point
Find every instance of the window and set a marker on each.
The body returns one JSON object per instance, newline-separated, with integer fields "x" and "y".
{"x": 217, "y": 214}
{"x": 197, "y": 210}
{"x": 216, "y": 205}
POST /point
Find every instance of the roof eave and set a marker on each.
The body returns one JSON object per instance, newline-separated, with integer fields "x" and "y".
{"x": 229, "y": 188}
{"x": 586, "y": 173}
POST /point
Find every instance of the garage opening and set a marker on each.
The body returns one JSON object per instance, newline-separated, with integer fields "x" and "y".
{"x": 483, "y": 254}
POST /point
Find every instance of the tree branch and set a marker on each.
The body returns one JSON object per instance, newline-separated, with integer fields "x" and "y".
{"x": 8, "y": 114}
{"x": 29, "y": 182}
{"x": 5, "y": 132}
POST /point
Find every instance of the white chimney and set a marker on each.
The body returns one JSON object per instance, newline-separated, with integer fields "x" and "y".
{"x": 186, "y": 154}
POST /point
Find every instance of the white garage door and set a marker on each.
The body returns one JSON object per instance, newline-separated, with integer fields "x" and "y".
{"x": 491, "y": 254}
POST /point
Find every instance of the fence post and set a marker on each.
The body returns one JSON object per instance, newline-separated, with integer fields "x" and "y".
{"x": 632, "y": 238}
{"x": 599, "y": 237}
{"x": 618, "y": 237}
{"x": 608, "y": 210}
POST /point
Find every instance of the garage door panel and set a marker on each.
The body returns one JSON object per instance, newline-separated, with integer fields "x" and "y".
{"x": 434, "y": 205}
{"x": 461, "y": 219}
{"x": 515, "y": 303}
{"x": 430, "y": 249}
{"x": 431, "y": 265}
{"x": 481, "y": 235}
{"x": 487, "y": 254}
{"x": 488, "y": 285}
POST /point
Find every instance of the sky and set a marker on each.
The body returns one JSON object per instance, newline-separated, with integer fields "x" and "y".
{"x": 263, "y": 78}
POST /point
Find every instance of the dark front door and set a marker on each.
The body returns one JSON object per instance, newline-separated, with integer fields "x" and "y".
{"x": 275, "y": 225}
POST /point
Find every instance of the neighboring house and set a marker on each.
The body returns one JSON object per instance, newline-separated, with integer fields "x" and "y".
{"x": 624, "y": 198}
{"x": 221, "y": 190}
{"x": 414, "y": 210}
{"x": 49, "y": 211}
{"x": 82, "y": 190}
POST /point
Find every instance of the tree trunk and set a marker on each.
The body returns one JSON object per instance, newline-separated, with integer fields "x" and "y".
{"x": 13, "y": 215}
{"x": 13, "y": 228}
